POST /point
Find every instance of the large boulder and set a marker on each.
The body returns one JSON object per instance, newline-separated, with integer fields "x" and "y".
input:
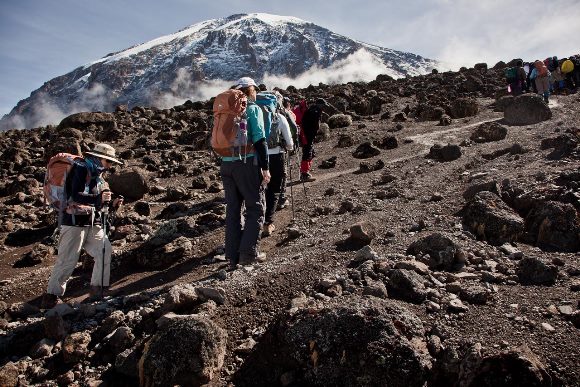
{"x": 490, "y": 219}
{"x": 132, "y": 184}
{"x": 489, "y": 131}
{"x": 188, "y": 351}
{"x": 365, "y": 151}
{"x": 527, "y": 109}
{"x": 463, "y": 107}
{"x": 534, "y": 271}
{"x": 447, "y": 152}
{"x": 339, "y": 121}
{"x": 350, "y": 342}
{"x": 555, "y": 226}
{"x": 441, "y": 249}
{"x": 89, "y": 120}
{"x": 519, "y": 367}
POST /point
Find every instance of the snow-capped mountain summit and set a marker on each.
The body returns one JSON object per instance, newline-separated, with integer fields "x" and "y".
{"x": 176, "y": 67}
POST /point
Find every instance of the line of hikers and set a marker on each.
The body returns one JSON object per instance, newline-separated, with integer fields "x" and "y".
{"x": 544, "y": 77}
{"x": 254, "y": 133}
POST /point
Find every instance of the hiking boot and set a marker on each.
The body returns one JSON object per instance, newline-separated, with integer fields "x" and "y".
{"x": 306, "y": 176}
{"x": 283, "y": 203}
{"x": 49, "y": 301}
{"x": 268, "y": 230}
{"x": 96, "y": 293}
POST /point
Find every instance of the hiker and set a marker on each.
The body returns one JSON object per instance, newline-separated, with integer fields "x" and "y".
{"x": 567, "y": 69}
{"x": 82, "y": 225}
{"x": 279, "y": 142}
{"x": 542, "y": 76}
{"x": 310, "y": 123}
{"x": 517, "y": 78}
{"x": 244, "y": 178}
{"x": 291, "y": 118}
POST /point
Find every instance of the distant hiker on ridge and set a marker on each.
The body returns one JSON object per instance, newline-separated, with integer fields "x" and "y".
{"x": 542, "y": 79}
{"x": 238, "y": 136}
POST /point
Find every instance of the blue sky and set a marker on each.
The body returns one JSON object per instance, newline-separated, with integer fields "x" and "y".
{"x": 42, "y": 39}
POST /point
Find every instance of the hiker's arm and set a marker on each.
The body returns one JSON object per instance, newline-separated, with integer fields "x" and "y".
{"x": 261, "y": 148}
{"x": 78, "y": 195}
{"x": 258, "y": 136}
{"x": 286, "y": 134}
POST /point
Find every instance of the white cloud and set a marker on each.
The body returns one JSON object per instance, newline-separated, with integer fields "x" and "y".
{"x": 359, "y": 66}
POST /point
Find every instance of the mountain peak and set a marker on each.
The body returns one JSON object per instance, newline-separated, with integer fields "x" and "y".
{"x": 170, "y": 69}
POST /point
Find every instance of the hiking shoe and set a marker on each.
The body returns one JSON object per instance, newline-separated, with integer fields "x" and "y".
{"x": 306, "y": 176}
{"x": 282, "y": 204}
{"x": 49, "y": 301}
{"x": 268, "y": 230}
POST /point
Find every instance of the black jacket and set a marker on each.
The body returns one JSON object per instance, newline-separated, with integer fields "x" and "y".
{"x": 81, "y": 190}
{"x": 311, "y": 122}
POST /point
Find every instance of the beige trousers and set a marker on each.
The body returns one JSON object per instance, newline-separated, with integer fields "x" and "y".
{"x": 72, "y": 241}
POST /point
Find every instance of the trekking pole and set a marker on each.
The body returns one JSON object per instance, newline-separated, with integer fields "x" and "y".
{"x": 289, "y": 162}
{"x": 104, "y": 213}
{"x": 303, "y": 183}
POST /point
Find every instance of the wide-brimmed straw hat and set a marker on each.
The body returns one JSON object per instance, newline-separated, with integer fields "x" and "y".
{"x": 104, "y": 151}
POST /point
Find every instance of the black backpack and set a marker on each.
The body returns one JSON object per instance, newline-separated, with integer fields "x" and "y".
{"x": 311, "y": 121}
{"x": 275, "y": 137}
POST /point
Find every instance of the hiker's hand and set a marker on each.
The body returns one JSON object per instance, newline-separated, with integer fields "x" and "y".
{"x": 105, "y": 196}
{"x": 117, "y": 202}
{"x": 266, "y": 177}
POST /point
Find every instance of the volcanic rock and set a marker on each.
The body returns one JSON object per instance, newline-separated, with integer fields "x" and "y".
{"x": 527, "y": 109}
{"x": 132, "y": 184}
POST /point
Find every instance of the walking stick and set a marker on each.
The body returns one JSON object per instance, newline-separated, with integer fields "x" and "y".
{"x": 104, "y": 214}
{"x": 289, "y": 162}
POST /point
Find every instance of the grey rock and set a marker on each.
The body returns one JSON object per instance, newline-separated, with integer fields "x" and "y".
{"x": 407, "y": 285}
{"x": 527, "y": 109}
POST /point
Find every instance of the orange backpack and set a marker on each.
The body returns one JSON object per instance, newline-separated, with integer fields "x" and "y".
{"x": 229, "y": 135}
{"x": 55, "y": 195}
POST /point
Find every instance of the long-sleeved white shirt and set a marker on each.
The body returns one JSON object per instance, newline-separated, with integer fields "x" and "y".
{"x": 286, "y": 135}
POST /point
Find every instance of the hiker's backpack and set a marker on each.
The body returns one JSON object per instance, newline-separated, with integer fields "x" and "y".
{"x": 268, "y": 103}
{"x": 511, "y": 74}
{"x": 299, "y": 111}
{"x": 229, "y": 136}
{"x": 55, "y": 185}
{"x": 567, "y": 66}
{"x": 310, "y": 124}
{"x": 274, "y": 138}
{"x": 294, "y": 129}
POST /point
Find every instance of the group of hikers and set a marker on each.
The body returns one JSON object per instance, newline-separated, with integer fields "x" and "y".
{"x": 255, "y": 133}
{"x": 550, "y": 76}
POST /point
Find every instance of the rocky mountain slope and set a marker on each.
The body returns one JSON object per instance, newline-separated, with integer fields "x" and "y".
{"x": 438, "y": 246}
{"x": 172, "y": 67}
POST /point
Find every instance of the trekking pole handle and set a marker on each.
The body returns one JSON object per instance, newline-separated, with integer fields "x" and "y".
{"x": 105, "y": 204}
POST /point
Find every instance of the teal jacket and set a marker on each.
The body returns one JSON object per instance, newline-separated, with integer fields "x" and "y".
{"x": 255, "y": 127}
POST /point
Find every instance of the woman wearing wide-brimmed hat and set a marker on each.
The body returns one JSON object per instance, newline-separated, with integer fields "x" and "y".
{"x": 82, "y": 224}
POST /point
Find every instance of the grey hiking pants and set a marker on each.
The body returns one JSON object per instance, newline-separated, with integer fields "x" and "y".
{"x": 72, "y": 240}
{"x": 243, "y": 184}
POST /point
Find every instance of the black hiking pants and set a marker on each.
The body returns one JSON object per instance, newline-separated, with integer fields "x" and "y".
{"x": 243, "y": 185}
{"x": 274, "y": 189}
